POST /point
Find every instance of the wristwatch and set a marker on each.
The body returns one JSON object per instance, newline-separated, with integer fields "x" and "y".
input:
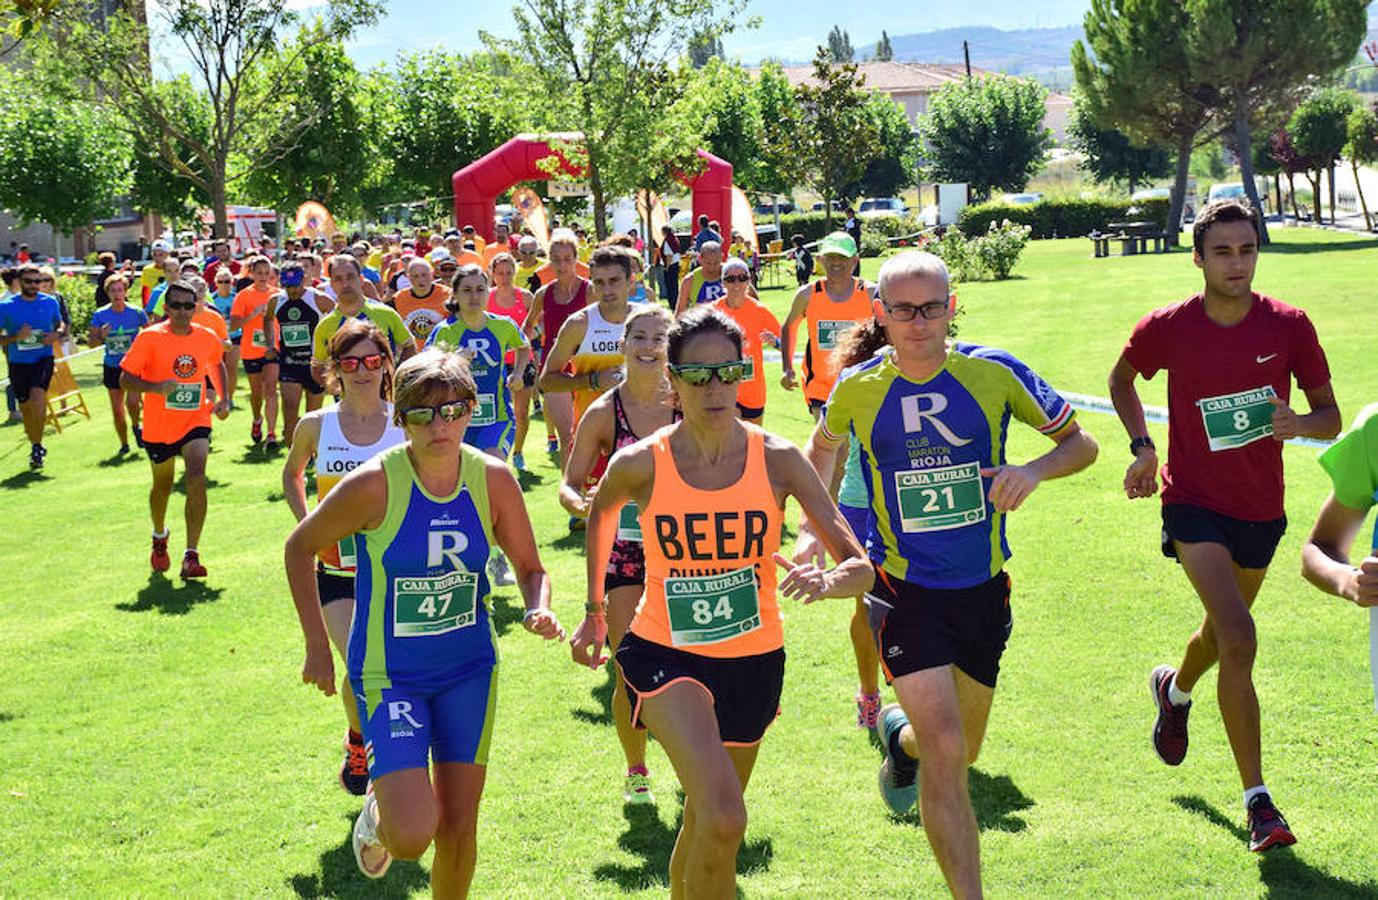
{"x": 1138, "y": 442}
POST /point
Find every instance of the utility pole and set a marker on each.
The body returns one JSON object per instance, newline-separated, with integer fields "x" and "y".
{"x": 966, "y": 55}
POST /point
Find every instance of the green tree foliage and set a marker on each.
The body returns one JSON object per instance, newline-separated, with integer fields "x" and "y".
{"x": 1319, "y": 129}
{"x": 775, "y": 167}
{"x": 986, "y": 132}
{"x": 840, "y": 46}
{"x": 1361, "y": 149}
{"x": 1111, "y": 156}
{"x": 60, "y": 163}
{"x": 732, "y": 126}
{"x": 703, "y": 47}
{"x": 884, "y": 52}
{"x": 894, "y": 165}
{"x": 157, "y": 187}
{"x": 834, "y": 138}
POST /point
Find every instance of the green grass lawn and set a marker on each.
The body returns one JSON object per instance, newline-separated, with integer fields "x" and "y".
{"x": 157, "y": 740}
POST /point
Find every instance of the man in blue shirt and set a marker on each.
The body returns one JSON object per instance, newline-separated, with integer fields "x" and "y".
{"x": 32, "y": 326}
{"x": 706, "y": 233}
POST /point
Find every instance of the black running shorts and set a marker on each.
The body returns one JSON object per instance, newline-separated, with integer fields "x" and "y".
{"x": 332, "y": 586}
{"x": 24, "y": 377}
{"x": 1251, "y": 544}
{"x": 161, "y": 453}
{"x": 297, "y": 373}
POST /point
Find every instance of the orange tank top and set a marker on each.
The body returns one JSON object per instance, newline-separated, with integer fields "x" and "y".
{"x": 827, "y": 320}
{"x": 710, "y": 572}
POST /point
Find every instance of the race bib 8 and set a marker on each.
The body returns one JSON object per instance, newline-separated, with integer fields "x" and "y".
{"x": 185, "y": 396}
{"x": 710, "y": 609}
{"x": 628, "y": 524}
{"x": 939, "y": 499}
{"x": 425, "y": 607}
{"x": 1233, "y": 420}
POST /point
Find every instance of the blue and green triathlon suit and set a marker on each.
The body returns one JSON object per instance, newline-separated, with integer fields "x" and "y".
{"x": 492, "y": 423}
{"x": 422, "y": 655}
{"x": 852, "y": 498}
{"x": 937, "y": 542}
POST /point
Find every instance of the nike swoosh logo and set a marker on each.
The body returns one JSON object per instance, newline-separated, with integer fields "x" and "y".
{"x": 1263, "y": 359}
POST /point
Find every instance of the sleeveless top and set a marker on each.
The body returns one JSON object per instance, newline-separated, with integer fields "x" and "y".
{"x": 553, "y": 314}
{"x": 297, "y": 320}
{"x": 336, "y": 457}
{"x": 516, "y": 312}
{"x": 600, "y": 349}
{"x": 827, "y": 320}
{"x": 710, "y": 575}
{"x": 626, "y": 548}
{"x": 421, "y": 589}
{"x": 703, "y": 290}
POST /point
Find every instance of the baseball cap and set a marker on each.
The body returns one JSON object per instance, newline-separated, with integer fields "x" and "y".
{"x": 839, "y": 243}
{"x": 440, "y": 256}
{"x": 162, "y": 245}
{"x": 292, "y": 277}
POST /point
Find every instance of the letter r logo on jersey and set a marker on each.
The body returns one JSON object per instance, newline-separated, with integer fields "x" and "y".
{"x": 446, "y": 546}
{"x": 480, "y": 346}
{"x": 911, "y": 408}
{"x": 401, "y": 709}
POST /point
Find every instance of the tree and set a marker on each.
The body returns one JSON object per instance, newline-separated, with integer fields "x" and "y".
{"x": 1291, "y": 162}
{"x": 732, "y": 126}
{"x": 60, "y": 163}
{"x": 157, "y": 188}
{"x": 1361, "y": 149}
{"x": 1110, "y": 155}
{"x": 840, "y": 46}
{"x": 233, "y": 52}
{"x": 703, "y": 47}
{"x": 1266, "y": 165}
{"x": 835, "y": 138}
{"x": 780, "y": 128}
{"x": 884, "y": 52}
{"x": 606, "y": 69}
{"x": 896, "y": 161}
{"x": 1319, "y": 129}
{"x": 1263, "y": 54}
{"x": 986, "y": 132}
{"x": 1136, "y": 75}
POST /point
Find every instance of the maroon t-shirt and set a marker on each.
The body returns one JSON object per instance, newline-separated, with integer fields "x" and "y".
{"x": 1221, "y": 453}
{"x": 553, "y": 314}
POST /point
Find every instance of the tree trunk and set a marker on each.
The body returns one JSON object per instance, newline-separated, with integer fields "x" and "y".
{"x": 600, "y": 208}
{"x": 1359, "y": 188}
{"x": 1242, "y": 146}
{"x": 1331, "y": 171}
{"x": 1277, "y": 188}
{"x": 1292, "y": 195}
{"x": 1179, "y": 188}
{"x": 217, "y": 192}
{"x": 1316, "y": 200}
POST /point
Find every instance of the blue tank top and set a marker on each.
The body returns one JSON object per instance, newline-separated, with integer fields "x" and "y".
{"x": 421, "y": 585}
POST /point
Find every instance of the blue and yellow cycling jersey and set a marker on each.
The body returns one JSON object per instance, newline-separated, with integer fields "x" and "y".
{"x": 421, "y": 589}
{"x": 923, "y": 445}
{"x": 487, "y": 348}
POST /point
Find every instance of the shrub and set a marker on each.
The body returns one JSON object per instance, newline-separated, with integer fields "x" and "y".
{"x": 873, "y": 243}
{"x": 956, "y": 252}
{"x": 1061, "y": 218}
{"x": 80, "y": 294}
{"x": 999, "y": 248}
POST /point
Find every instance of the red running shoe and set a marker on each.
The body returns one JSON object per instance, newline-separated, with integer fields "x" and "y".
{"x": 191, "y": 565}
{"x": 1267, "y": 827}
{"x": 1170, "y": 731}
{"x": 159, "y": 559}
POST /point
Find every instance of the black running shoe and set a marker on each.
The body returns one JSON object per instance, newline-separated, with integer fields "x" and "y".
{"x": 1170, "y": 731}
{"x": 354, "y": 769}
{"x": 36, "y": 456}
{"x": 1267, "y": 827}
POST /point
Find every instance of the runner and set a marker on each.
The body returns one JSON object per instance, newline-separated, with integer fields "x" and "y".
{"x": 114, "y": 327}
{"x": 153, "y": 273}
{"x": 247, "y": 314}
{"x": 222, "y": 297}
{"x": 170, "y": 362}
{"x": 641, "y": 405}
{"x": 422, "y": 657}
{"x": 294, "y": 315}
{"x": 1230, "y": 355}
{"x": 550, "y": 307}
{"x": 930, "y": 416}
{"x": 703, "y": 284}
{"x": 758, "y": 325}
{"x": 343, "y": 271}
{"x": 422, "y": 304}
{"x": 1352, "y": 464}
{"x": 506, "y": 299}
{"x": 32, "y": 323}
{"x": 705, "y": 675}
{"x": 341, "y": 438}
{"x": 153, "y": 305}
{"x": 528, "y": 264}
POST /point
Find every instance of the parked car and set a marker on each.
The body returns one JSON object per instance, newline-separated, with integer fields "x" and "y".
{"x": 1151, "y": 194}
{"x": 1022, "y": 199}
{"x": 768, "y": 209}
{"x": 818, "y": 207}
{"x": 872, "y": 207}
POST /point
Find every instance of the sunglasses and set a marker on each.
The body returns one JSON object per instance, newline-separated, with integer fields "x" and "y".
{"x": 182, "y": 306}
{"x": 32, "y": 280}
{"x": 933, "y": 309}
{"x": 425, "y": 415}
{"x": 372, "y": 362}
{"x": 735, "y": 279}
{"x": 697, "y": 375}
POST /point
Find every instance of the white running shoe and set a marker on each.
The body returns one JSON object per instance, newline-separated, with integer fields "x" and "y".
{"x": 370, "y": 855}
{"x": 500, "y": 571}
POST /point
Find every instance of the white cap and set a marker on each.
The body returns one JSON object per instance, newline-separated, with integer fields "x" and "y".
{"x": 162, "y": 245}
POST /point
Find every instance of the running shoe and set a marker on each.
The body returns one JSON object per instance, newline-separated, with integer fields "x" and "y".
{"x": 552, "y": 445}
{"x": 867, "y": 711}
{"x": 159, "y": 559}
{"x": 500, "y": 571}
{"x": 899, "y": 773}
{"x": 370, "y": 855}
{"x": 271, "y": 445}
{"x": 577, "y": 524}
{"x": 519, "y": 462}
{"x": 1170, "y": 731}
{"x": 191, "y": 565}
{"x": 354, "y": 770}
{"x": 636, "y": 789}
{"x": 36, "y": 455}
{"x": 256, "y": 431}
{"x": 138, "y": 437}
{"x": 124, "y": 448}
{"x": 1267, "y": 827}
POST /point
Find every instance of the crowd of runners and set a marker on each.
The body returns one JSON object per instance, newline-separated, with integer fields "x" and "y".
{"x": 434, "y": 354}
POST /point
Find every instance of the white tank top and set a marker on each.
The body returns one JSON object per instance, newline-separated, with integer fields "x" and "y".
{"x": 601, "y": 338}
{"x": 336, "y": 457}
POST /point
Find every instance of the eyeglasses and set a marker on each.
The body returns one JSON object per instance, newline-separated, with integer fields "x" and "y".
{"x": 933, "y": 309}
{"x": 372, "y": 362}
{"x": 425, "y": 415}
{"x": 697, "y": 375}
{"x": 182, "y": 306}
{"x": 735, "y": 279}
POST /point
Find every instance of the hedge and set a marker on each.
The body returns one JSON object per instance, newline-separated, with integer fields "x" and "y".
{"x": 1062, "y": 218}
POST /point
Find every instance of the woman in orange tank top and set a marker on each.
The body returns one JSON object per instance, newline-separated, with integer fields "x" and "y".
{"x": 703, "y": 660}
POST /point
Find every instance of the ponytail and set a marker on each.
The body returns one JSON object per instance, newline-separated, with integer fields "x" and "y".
{"x": 860, "y": 342}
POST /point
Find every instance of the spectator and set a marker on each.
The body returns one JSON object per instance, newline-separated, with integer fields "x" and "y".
{"x": 107, "y": 266}
{"x": 669, "y": 258}
{"x": 803, "y": 260}
{"x": 49, "y": 287}
{"x": 853, "y": 227}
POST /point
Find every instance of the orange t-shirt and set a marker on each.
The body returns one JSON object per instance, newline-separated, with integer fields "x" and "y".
{"x": 753, "y": 318}
{"x": 158, "y": 354}
{"x": 710, "y": 571}
{"x": 209, "y": 318}
{"x": 827, "y": 320}
{"x": 465, "y": 257}
{"x": 421, "y": 314}
{"x": 251, "y": 301}
{"x": 493, "y": 250}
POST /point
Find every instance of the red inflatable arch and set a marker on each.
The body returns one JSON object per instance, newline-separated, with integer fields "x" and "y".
{"x": 477, "y": 185}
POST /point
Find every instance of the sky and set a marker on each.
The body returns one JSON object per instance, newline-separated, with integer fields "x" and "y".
{"x": 790, "y": 29}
